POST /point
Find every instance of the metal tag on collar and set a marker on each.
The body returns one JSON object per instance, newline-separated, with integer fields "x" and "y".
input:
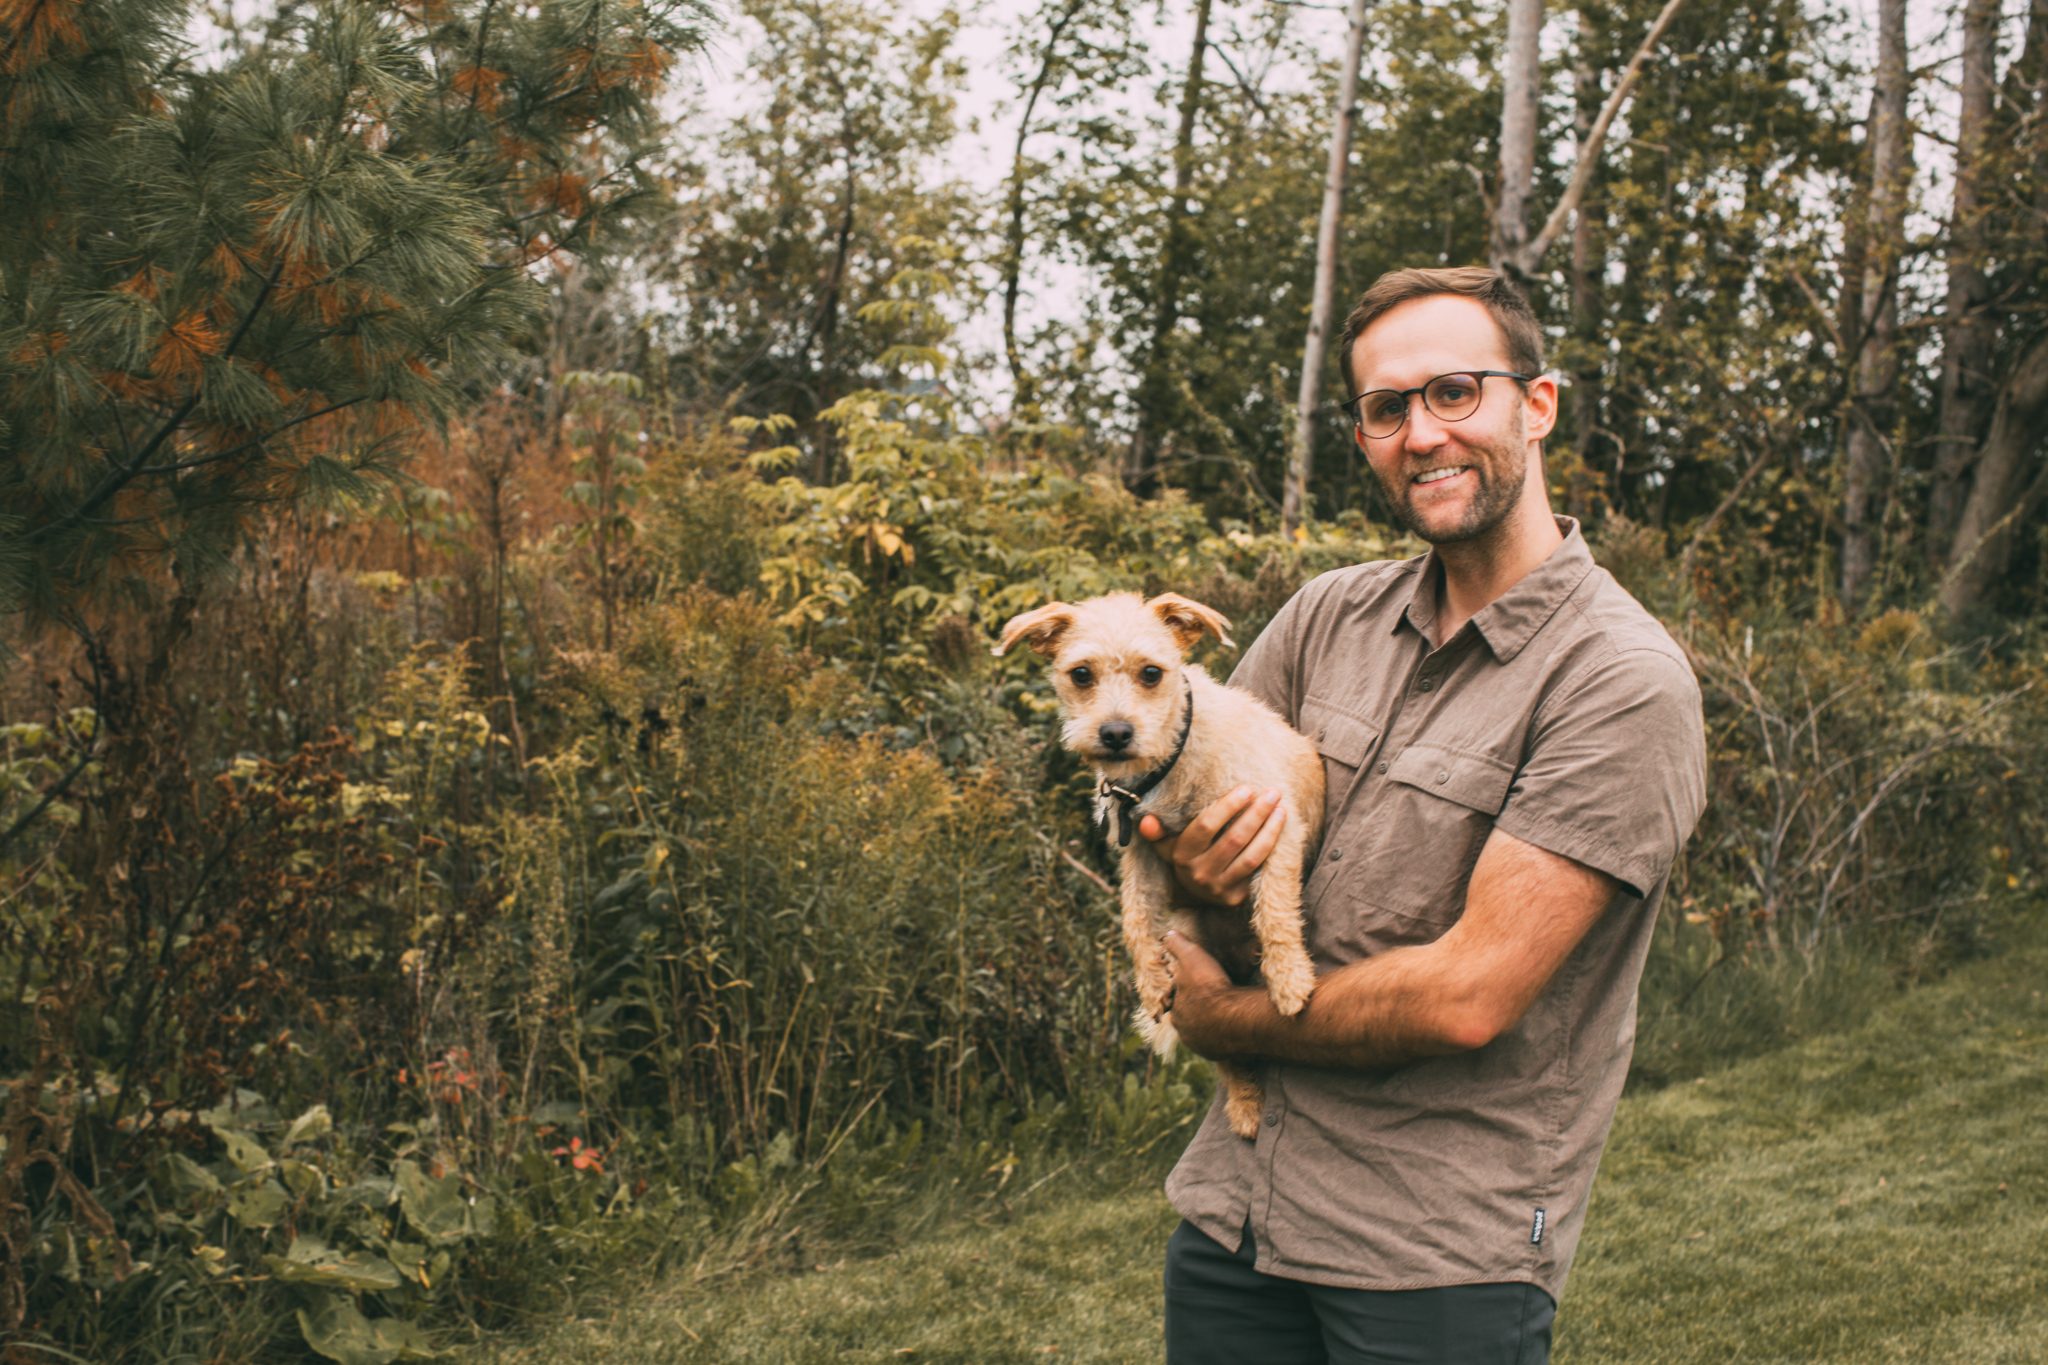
{"x": 1126, "y": 802}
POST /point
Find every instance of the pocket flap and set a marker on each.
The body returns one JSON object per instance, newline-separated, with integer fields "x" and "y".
{"x": 1338, "y": 734}
{"x": 1458, "y": 775}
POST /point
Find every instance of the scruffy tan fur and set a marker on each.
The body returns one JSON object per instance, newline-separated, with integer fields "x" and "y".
{"x": 1235, "y": 740}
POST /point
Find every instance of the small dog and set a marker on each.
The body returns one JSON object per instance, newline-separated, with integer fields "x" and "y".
{"x": 1166, "y": 738}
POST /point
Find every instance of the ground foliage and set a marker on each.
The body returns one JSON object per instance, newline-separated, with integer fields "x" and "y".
{"x": 570, "y": 819}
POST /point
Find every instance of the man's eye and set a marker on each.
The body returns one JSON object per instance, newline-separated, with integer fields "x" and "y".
{"x": 1082, "y": 676}
{"x": 1453, "y": 393}
{"x": 1150, "y": 675}
{"x": 1387, "y": 407}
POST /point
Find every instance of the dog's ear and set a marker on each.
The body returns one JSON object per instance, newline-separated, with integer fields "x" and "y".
{"x": 1039, "y": 629}
{"x": 1189, "y": 620}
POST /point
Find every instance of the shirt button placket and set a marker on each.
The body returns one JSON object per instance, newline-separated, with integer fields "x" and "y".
{"x": 1268, "y": 1148}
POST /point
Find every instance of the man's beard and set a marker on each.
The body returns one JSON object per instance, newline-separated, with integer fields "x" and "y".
{"x": 1499, "y": 476}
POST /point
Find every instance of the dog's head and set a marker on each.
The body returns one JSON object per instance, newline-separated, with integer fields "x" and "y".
{"x": 1116, "y": 665}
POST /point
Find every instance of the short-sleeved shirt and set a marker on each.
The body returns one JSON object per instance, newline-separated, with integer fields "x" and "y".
{"x": 1562, "y": 713}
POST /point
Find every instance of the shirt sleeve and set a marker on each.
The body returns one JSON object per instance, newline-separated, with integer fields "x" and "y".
{"x": 1268, "y": 668}
{"x": 1617, "y": 770}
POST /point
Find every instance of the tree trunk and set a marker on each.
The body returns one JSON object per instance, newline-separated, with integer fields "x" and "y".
{"x": 1294, "y": 497}
{"x": 1525, "y": 254}
{"x": 1587, "y": 329}
{"x": 2007, "y": 480}
{"x": 826, "y": 329}
{"x": 1141, "y": 466}
{"x": 1022, "y": 388}
{"x": 1873, "y": 404}
{"x": 1966, "y": 360}
{"x": 2009, "y": 485}
{"x": 1521, "y": 86}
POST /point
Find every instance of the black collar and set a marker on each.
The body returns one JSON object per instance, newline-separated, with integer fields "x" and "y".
{"x": 1128, "y": 796}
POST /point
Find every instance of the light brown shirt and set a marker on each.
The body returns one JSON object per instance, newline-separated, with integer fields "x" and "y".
{"x": 1562, "y": 713}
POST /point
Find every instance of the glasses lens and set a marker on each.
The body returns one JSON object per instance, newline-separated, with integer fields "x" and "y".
{"x": 1381, "y": 412}
{"x": 1452, "y": 396}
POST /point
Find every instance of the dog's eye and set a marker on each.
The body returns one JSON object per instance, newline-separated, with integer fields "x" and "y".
{"x": 1082, "y": 676}
{"x": 1150, "y": 675}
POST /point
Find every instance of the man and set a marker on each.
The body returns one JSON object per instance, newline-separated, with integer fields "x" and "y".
{"x": 1515, "y": 757}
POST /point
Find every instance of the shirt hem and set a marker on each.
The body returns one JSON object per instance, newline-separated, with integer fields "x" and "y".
{"x": 1273, "y": 1265}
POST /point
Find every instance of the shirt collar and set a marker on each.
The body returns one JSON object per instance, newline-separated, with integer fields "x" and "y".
{"x": 1510, "y": 621}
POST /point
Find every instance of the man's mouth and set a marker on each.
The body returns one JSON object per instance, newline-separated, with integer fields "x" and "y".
{"x": 1439, "y": 475}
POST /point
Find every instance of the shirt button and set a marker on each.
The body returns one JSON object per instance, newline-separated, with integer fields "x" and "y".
{"x": 1427, "y": 685}
{"x": 1442, "y": 777}
{"x": 1335, "y": 854}
{"x": 1272, "y": 1119}
{"x": 1381, "y": 769}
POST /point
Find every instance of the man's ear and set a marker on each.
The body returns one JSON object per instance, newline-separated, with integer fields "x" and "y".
{"x": 1189, "y": 620}
{"x": 1541, "y": 410}
{"x": 1039, "y": 629}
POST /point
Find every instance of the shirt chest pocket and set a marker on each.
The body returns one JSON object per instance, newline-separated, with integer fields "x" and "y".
{"x": 1343, "y": 740}
{"x": 1417, "y": 839}
{"x": 1475, "y": 781}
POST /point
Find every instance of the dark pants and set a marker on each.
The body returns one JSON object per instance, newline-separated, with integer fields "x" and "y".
{"x": 1220, "y": 1311}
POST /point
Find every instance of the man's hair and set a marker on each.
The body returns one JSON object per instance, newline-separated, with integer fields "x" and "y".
{"x": 1505, "y": 303}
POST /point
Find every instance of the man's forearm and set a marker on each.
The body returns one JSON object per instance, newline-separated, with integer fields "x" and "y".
{"x": 1382, "y": 1011}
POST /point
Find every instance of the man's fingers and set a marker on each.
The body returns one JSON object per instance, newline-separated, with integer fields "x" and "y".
{"x": 1230, "y": 845}
{"x": 1218, "y": 813}
{"x": 1259, "y": 848}
{"x": 1151, "y": 829}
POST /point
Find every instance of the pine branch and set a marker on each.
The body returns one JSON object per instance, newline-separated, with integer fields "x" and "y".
{"x": 120, "y": 479}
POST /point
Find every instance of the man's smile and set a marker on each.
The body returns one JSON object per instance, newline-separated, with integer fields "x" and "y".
{"x": 1439, "y": 475}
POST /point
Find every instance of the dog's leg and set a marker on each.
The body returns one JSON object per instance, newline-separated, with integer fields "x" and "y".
{"x": 1244, "y": 1099}
{"x": 1276, "y": 920}
{"x": 1146, "y": 894}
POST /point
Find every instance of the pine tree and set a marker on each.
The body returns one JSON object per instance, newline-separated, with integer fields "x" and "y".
{"x": 249, "y": 280}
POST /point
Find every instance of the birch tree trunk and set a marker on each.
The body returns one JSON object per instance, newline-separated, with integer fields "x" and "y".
{"x": 1521, "y": 84}
{"x": 1023, "y": 390}
{"x": 1300, "y": 461}
{"x": 1141, "y": 464}
{"x": 2011, "y": 482}
{"x": 1511, "y": 249}
{"x": 1873, "y": 404}
{"x": 1588, "y": 264}
{"x": 2009, "y": 479}
{"x": 1966, "y": 358}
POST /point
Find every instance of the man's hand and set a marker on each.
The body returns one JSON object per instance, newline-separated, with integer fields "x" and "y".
{"x": 1214, "y": 857}
{"x": 1206, "y": 1005}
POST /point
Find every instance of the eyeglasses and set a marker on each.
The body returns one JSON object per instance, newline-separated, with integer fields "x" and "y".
{"x": 1449, "y": 398}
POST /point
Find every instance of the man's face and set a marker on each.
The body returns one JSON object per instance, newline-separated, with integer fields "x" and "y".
{"x": 1489, "y": 451}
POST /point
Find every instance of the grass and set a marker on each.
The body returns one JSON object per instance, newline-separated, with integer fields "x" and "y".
{"x": 1880, "y": 1194}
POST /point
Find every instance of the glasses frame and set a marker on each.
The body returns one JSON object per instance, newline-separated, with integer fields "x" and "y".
{"x": 1357, "y": 414}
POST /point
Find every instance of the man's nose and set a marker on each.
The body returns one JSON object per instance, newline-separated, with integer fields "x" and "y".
{"x": 1424, "y": 430}
{"x": 1116, "y": 735}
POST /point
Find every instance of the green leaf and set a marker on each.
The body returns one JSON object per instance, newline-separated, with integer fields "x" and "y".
{"x": 435, "y": 1208}
{"x": 311, "y": 1261}
{"x": 244, "y": 1151}
{"x": 188, "y": 1178}
{"x": 410, "y": 1262}
{"x": 314, "y": 1123}
{"x": 337, "y": 1329}
{"x": 258, "y": 1203}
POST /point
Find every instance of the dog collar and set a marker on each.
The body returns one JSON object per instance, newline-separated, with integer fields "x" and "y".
{"x": 1128, "y": 796}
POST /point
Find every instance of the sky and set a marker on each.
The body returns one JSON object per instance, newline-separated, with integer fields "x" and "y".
{"x": 988, "y": 103}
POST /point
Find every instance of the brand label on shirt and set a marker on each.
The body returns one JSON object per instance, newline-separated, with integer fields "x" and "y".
{"x": 1536, "y": 1229}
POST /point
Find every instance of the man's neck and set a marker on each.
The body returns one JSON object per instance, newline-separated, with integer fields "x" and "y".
{"x": 1476, "y": 572}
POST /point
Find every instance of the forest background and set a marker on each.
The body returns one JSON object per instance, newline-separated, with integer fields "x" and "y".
{"x": 502, "y": 779}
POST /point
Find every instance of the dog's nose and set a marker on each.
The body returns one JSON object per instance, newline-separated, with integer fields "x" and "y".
{"x": 1116, "y": 735}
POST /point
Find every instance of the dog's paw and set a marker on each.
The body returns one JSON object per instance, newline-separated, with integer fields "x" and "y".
{"x": 1158, "y": 1033}
{"x": 1241, "y": 1110}
{"x": 1290, "y": 980}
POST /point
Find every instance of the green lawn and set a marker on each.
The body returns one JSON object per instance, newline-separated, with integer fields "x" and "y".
{"x": 1876, "y": 1195}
